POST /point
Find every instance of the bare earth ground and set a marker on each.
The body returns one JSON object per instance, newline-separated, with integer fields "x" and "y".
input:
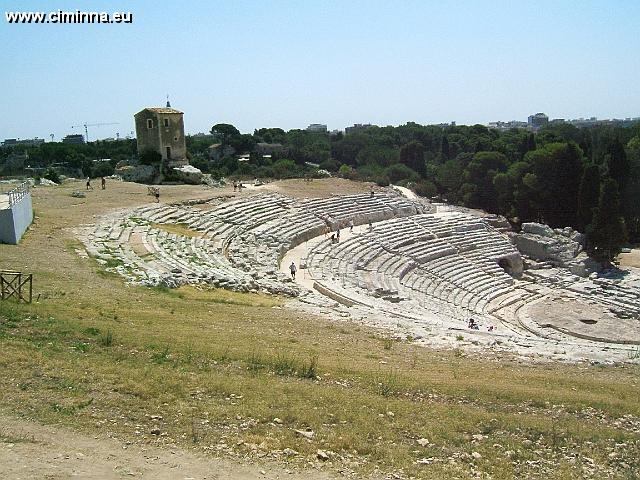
{"x": 86, "y": 369}
{"x": 631, "y": 259}
{"x": 29, "y": 450}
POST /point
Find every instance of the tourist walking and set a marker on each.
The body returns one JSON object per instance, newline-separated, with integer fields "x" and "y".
{"x": 89, "y": 187}
{"x": 157, "y": 194}
{"x": 338, "y": 235}
{"x": 351, "y": 226}
{"x": 104, "y": 183}
{"x": 293, "y": 270}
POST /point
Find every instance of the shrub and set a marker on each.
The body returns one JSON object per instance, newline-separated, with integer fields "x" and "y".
{"x": 150, "y": 157}
{"x": 51, "y": 174}
{"x": 425, "y": 188}
{"x": 106, "y": 339}
{"x": 400, "y": 173}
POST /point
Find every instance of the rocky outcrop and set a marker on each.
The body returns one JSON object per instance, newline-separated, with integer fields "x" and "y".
{"x": 560, "y": 247}
{"x": 188, "y": 174}
{"x": 138, "y": 173}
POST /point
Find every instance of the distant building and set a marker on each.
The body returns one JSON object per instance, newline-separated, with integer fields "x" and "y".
{"x": 27, "y": 142}
{"x": 505, "y": 126}
{"x": 357, "y": 127}
{"x": 203, "y": 136}
{"x": 317, "y": 128}
{"x": 161, "y": 129}
{"x": 74, "y": 138}
{"x": 537, "y": 121}
{"x": 216, "y": 151}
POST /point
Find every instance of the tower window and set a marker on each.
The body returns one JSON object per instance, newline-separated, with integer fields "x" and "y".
{"x": 166, "y": 122}
{"x": 149, "y": 123}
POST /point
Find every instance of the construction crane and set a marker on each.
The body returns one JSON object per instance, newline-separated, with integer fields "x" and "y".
{"x": 86, "y": 129}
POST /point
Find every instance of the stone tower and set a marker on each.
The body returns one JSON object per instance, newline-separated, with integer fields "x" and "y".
{"x": 161, "y": 129}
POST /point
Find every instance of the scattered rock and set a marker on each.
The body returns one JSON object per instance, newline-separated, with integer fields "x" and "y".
{"x": 308, "y": 434}
{"x": 322, "y": 455}
{"x": 289, "y": 452}
{"x": 423, "y": 442}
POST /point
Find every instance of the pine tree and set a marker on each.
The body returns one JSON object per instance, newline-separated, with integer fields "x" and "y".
{"x": 444, "y": 149}
{"x": 531, "y": 142}
{"x": 607, "y": 234}
{"x": 617, "y": 164}
{"x": 588, "y": 194}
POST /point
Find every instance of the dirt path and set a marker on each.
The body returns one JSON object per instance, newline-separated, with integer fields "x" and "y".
{"x": 32, "y": 451}
{"x": 631, "y": 259}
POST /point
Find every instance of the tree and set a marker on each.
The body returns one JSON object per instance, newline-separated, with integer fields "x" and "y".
{"x": 530, "y": 143}
{"x": 607, "y": 234}
{"x": 617, "y": 164}
{"x": 400, "y": 173}
{"x": 631, "y": 193}
{"x": 449, "y": 177}
{"x": 558, "y": 168}
{"x": 284, "y": 168}
{"x": 479, "y": 173}
{"x": 588, "y": 194}
{"x": 412, "y": 155}
{"x": 444, "y": 148}
{"x": 225, "y": 131}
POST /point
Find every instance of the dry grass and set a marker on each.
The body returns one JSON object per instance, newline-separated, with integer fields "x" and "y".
{"x": 219, "y": 367}
{"x": 322, "y": 187}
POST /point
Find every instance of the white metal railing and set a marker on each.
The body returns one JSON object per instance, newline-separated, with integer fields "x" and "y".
{"x": 18, "y": 193}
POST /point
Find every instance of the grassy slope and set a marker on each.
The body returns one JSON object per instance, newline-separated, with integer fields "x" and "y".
{"x": 219, "y": 367}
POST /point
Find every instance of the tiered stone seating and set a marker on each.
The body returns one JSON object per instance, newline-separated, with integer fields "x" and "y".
{"x": 428, "y": 258}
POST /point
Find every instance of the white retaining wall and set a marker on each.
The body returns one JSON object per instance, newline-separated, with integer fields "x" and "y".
{"x": 14, "y": 221}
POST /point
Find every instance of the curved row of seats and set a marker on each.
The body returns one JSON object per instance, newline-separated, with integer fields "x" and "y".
{"x": 442, "y": 262}
{"x": 241, "y": 238}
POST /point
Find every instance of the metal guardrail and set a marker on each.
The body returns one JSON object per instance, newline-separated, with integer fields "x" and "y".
{"x": 18, "y": 193}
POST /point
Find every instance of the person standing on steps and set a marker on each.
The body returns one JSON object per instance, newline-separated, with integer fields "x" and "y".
{"x": 351, "y": 226}
{"x": 293, "y": 270}
{"x": 157, "y": 193}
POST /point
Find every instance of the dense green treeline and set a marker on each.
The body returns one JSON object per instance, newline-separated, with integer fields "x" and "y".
{"x": 93, "y": 159}
{"x": 586, "y": 178}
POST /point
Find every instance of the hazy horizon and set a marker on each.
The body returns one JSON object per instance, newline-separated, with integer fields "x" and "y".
{"x": 287, "y": 65}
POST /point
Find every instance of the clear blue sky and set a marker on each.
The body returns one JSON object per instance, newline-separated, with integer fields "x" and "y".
{"x": 290, "y": 63}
